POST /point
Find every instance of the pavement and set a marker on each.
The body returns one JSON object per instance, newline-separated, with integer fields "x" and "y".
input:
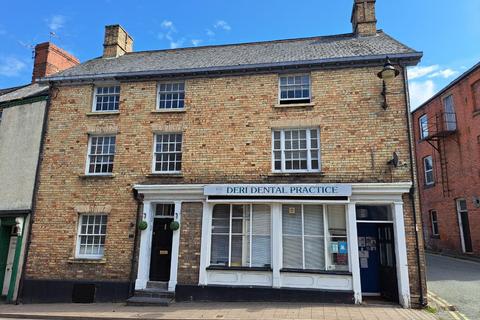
{"x": 217, "y": 311}
{"x": 455, "y": 284}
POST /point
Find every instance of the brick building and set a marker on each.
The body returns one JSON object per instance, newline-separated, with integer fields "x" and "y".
{"x": 22, "y": 115}
{"x": 447, "y": 142}
{"x": 233, "y": 172}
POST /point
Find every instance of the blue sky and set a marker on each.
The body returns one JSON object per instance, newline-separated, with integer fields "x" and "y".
{"x": 448, "y": 32}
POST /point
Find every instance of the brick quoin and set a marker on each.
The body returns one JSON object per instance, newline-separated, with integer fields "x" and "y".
{"x": 462, "y": 153}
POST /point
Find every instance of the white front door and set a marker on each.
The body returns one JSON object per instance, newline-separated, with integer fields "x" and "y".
{"x": 9, "y": 268}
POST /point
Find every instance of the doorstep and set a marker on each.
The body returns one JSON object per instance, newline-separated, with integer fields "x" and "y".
{"x": 213, "y": 311}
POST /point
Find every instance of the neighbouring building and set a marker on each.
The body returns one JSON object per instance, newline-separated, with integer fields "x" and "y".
{"x": 267, "y": 170}
{"x": 22, "y": 115}
{"x": 447, "y": 142}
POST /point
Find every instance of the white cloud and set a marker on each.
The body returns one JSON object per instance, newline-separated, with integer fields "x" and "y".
{"x": 11, "y": 66}
{"x": 196, "y": 42}
{"x": 168, "y": 25}
{"x": 169, "y": 33}
{"x": 421, "y": 92}
{"x": 174, "y": 44}
{"x": 210, "y": 33}
{"x": 419, "y": 71}
{"x": 56, "y": 22}
{"x": 447, "y": 73}
{"x": 222, "y": 24}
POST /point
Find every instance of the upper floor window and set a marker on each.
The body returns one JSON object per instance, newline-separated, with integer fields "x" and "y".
{"x": 449, "y": 114}
{"x": 434, "y": 220}
{"x": 241, "y": 235}
{"x": 106, "y": 99}
{"x": 428, "y": 170}
{"x": 92, "y": 230}
{"x": 101, "y": 152}
{"x": 423, "y": 122}
{"x": 168, "y": 153}
{"x": 476, "y": 95}
{"x": 294, "y": 89}
{"x": 296, "y": 150}
{"x": 171, "y": 95}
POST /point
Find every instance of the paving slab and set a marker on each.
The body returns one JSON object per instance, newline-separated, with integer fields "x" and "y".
{"x": 214, "y": 311}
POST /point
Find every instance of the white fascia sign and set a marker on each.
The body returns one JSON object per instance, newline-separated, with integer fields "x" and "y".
{"x": 301, "y": 190}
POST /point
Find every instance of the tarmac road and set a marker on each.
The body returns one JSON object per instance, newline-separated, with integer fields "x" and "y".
{"x": 456, "y": 281}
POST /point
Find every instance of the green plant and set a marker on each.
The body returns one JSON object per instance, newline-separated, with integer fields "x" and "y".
{"x": 142, "y": 225}
{"x": 174, "y": 225}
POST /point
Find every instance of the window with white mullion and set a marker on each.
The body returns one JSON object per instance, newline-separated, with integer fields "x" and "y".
{"x": 101, "y": 154}
{"x": 296, "y": 150}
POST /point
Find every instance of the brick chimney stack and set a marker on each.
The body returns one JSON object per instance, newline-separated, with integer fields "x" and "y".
{"x": 117, "y": 42}
{"x": 50, "y": 59}
{"x": 364, "y": 21}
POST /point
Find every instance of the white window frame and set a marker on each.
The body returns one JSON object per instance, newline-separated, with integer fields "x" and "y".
{"x": 89, "y": 145}
{"x": 95, "y": 95}
{"x": 158, "y": 95}
{"x": 79, "y": 255}
{"x": 250, "y": 233}
{"x": 280, "y": 76}
{"x": 155, "y": 134}
{"x": 425, "y": 171}
{"x": 434, "y": 222}
{"x": 423, "y": 129}
{"x": 309, "y": 155}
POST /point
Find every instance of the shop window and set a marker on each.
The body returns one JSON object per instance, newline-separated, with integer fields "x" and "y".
{"x": 101, "y": 153}
{"x": 171, "y": 95}
{"x": 423, "y": 122}
{"x": 314, "y": 237}
{"x": 294, "y": 89}
{"x": 374, "y": 213}
{"x": 428, "y": 170}
{"x": 92, "y": 230}
{"x": 106, "y": 99}
{"x": 434, "y": 219}
{"x": 241, "y": 235}
{"x": 168, "y": 153}
{"x": 296, "y": 150}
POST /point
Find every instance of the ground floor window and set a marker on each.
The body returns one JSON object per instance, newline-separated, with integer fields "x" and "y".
{"x": 241, "y": 235}
{"x": 91, "y": 236}
{"x": 434, "y": 219}
{"x": 314, "y": 237}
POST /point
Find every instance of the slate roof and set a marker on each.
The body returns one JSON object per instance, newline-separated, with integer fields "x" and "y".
{"x": 271, "y": 54}
{"x": 28, "y": 91}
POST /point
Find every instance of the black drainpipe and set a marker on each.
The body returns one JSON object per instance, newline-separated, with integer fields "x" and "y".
{"x": 34, "y": 195}
{"x": 414, "y": 186}
{"x": 139, "y": 199}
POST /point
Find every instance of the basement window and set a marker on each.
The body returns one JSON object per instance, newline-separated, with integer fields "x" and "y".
{"x": 106, "y": 99}
{"x": 294, "y": 89}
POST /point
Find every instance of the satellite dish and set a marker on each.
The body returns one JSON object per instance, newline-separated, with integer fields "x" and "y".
{"x": 394, "y": 160}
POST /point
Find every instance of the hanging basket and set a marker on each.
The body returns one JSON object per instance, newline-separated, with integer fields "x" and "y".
{"x": 142, "y": 225}
{"x": 174, "y": 225}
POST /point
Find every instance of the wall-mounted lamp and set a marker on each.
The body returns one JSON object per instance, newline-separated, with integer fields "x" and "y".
{"x": 394, "y": 161}
{"x": 389, "y": 72}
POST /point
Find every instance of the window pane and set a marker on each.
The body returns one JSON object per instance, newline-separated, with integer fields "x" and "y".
{"x": 107, "y": 98}
{"x": 171, "y": 95}
{"x": 313, "y": 220}
{"x": 219, "y": 249}
{"x": 292, "y": 219}
{"x": 168, "y": 152}
{"x": 314, "y": 253}
{"x": 292, "y": 252}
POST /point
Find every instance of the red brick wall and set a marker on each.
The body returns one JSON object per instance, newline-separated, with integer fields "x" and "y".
{"x": 50, "y": 59}
{"x": 462, "y": 151}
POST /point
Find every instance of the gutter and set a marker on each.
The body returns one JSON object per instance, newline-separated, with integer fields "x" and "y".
{"x": 410, "y": 59}
{"x": 34, "y": 195}
{"x": 422, "y": 301}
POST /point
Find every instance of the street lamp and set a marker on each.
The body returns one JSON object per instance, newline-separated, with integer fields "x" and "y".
{"x": 388, "y": 72}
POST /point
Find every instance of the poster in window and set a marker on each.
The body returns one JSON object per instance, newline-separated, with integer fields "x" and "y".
{"x": 342, "y": 247}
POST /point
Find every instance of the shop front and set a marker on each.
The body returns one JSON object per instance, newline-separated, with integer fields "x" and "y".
{"x": 306, "y": 242}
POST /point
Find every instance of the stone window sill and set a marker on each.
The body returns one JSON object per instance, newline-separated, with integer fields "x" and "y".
{"x": 164, "y": 175}
{"x": 87, "y": 261}
{"x": 103, "y": 113}
{"x": 428, "y": 186}
{"x": 169, "y": 111}
{"x": 294, "y": 105}
{"x": 96, "y": 176}
{"x": 296, "y": 174}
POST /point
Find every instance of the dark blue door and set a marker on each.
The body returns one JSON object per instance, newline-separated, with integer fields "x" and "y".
{"x": 368, "y": 254}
